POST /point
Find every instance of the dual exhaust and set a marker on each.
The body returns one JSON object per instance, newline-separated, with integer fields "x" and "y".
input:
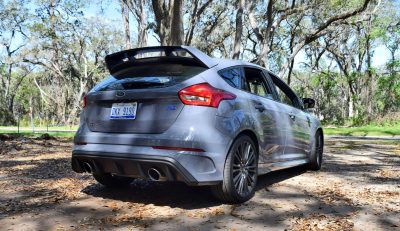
{"x": 153, "y": 174}
{"x": 87, "y": 167}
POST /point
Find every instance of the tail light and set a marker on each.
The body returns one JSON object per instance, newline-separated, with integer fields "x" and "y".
{"x": 203, "y": 94}
{"x": 84, "y": 101}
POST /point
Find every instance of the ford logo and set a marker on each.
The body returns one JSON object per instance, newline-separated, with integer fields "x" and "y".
{"x": 120, "y": 93}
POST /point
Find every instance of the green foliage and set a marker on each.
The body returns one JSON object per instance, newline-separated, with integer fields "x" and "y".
{"x": 38, "y": 134}
{"x": 6, "y": 117}
{"x": 369, "y": 130}
{"x": 388, "y": 95}
{"x": 62, "y": 52}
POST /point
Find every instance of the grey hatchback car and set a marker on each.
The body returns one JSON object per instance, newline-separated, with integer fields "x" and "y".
{"x": 172, "y": 113}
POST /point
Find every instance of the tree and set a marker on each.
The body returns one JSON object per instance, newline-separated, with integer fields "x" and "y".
{"x": 138, "y": 9}
{"x": 293, "y": 15}
{"x": 239, "y": 29}
{"x": 125, "y": 6}
{"x": 77, "y": 48}
{"x": 13, "y": 25}
{"x": 52, "y": 54}
{"x": 197, "y": 11}
{"x": 169, "y": 21}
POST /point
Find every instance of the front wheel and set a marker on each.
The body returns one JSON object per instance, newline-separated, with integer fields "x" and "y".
{"x": 240, "y": 172}
{"x": 317, "y": 148}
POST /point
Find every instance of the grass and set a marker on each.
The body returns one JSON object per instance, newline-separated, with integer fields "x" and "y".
{"x": 37, "y": 134}
{"x": 368, "y": 130}
{"x": 43, "y": 128}
{"x": 56, "y": 131}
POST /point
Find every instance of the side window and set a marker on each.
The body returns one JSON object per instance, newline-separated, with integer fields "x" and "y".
{"x": 255, "y": 83}
{"x": 233, "y": 76}
{"x": 286, "y": 95}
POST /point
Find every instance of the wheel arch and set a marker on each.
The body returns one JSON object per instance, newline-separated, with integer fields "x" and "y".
{"x": 252, "y": 136}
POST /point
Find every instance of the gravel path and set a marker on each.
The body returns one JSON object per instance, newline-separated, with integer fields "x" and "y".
{"x": 357, "y": 189}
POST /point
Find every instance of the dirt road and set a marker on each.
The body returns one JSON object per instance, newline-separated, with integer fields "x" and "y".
{"x": 358, "y": 188}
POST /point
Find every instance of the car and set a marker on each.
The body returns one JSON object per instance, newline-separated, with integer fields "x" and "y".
{"x": 173, "y": 113}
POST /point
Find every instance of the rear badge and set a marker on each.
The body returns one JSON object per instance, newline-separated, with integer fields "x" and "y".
{"x": 120, "y": 93}
{"x": 171, "y": 107}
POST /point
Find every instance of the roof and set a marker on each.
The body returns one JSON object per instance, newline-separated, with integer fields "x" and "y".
{"x": 224, "y": 63}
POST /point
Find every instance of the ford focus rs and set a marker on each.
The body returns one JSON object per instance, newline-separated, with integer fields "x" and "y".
{"x": 172, "y": 113}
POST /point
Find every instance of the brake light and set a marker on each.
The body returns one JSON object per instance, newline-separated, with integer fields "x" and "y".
{"x": 84, "y": 101}
{"x": 203, "y": 94}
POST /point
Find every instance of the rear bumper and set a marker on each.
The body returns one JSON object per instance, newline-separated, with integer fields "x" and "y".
{"x": 137, "y": 165}
{"x": 195, "y": 128}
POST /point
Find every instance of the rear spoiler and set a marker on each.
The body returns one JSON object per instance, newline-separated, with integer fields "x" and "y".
{"x": 123, "y": 59}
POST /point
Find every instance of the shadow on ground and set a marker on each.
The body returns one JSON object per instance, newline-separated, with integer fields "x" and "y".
{"x": 40, "y": 190}
{"x": 175, "y": 194}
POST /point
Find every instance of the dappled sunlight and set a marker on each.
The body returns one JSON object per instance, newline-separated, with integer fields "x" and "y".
{"x": 355, "y": 187}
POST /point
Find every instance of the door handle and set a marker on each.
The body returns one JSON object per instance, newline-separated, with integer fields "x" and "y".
{"x": 292, "y": 116}
{"x": 260, "y": 107}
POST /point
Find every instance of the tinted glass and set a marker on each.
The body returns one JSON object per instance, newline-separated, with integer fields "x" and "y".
{"x": 256, "y": 83}
{"x": 286, "y": 95}
{"x": 152, "y": 53}
{"x": 233, "y": 76}
{"x": 148, "y": 76}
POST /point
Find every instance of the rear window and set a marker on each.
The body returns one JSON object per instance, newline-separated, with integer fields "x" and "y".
{"x": 161, "y": 53}
{"x": 149, "y": 76}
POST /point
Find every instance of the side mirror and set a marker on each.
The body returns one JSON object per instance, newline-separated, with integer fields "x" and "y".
{"x": 308, "y": 103}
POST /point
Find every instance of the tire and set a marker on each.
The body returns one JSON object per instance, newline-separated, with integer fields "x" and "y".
{"x": 240, "y": 172}
{"x": 112, "y": 181}
{"x": 316, "y": 151}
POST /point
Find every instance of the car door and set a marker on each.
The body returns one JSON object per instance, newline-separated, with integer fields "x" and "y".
{"x": 298, "y": 123}
{"x": 267, "y": 117}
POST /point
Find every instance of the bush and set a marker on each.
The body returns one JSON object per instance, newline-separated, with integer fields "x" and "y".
{"x": 6, "y": 118}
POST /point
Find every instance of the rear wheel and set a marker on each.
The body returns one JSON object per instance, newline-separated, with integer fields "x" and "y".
{"x": 112, "y": 181}
{"x": 240, "y": 172}
{"x": 316, "y": 151}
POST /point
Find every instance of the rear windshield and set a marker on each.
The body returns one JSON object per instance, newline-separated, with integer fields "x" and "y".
{"x": 149, "y": 76}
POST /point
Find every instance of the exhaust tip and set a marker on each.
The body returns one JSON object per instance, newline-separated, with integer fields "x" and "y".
{"x": 154, "y": 174}
{"x": 87, "y": 167}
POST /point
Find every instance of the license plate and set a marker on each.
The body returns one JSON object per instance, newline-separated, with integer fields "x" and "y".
{"x": 123, "y": 111}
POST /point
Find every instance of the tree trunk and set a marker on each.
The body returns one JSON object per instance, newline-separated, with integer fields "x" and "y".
{"x": 290, "y": 72}
{"x": 169, "y": 21}
{"x": 350, "y": 105}
{"x": 291, "y": 65}
{"x": 369, "y": 78}
{"x": 161, "y": 16}
{"x": 31, "y": 113}
{"x": 176, "y": 28}
{"x": 142, "y": 34}
{"x": 239, "y": 29}
{"x": 125, "y": 18}
{"x": 263, "y": 39}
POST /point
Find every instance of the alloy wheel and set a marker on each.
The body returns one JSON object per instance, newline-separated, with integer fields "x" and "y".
{"x": 244, "y": 170}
